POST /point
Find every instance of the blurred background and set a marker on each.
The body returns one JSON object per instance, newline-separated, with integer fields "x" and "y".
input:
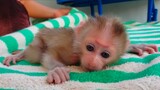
{"x": 132, "y": 10}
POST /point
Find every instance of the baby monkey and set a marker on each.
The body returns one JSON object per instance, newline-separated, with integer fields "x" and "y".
{"x": 95, "y": 43}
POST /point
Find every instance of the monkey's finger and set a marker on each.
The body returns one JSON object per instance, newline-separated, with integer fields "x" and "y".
{"x": 138, "y": 51}
{"x": 7, "y": 61}
{"x": 53, "y": 77}
{"x": 14, "y": 60}
{"x": 50, "y": 77}
{"x": 149, "y": 50}
{"x": 4, "y": 62}
{"x": 56, "y": 78}
{"x": 154, "y": 47}
{"x": 66, "y": 73}
{"x": 61, "y": 75}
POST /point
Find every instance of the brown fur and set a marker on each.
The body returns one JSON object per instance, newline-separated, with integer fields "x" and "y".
{"x": 56, "y": 48}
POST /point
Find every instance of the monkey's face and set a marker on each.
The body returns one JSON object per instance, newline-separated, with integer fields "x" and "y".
{"x": 103, "y": 40}
{"x": 97, "y": 52}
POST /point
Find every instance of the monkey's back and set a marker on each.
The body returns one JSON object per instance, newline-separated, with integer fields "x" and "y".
{"x": 59, "y": 42}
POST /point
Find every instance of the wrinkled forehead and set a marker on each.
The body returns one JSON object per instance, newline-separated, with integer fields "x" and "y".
{"x": 104, "y": 34}
{"x": 106, "y": 30}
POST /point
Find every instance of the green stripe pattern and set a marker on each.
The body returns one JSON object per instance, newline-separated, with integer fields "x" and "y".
{"x": 148, "y": 33}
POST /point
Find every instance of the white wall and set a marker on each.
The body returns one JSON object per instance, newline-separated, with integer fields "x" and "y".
{"x": 132, "y": 10}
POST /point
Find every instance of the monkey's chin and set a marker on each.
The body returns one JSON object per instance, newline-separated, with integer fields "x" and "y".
{"x": 90, "y": 68}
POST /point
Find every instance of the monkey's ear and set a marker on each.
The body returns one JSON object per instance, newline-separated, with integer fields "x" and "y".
{"x": 79, "y": 27}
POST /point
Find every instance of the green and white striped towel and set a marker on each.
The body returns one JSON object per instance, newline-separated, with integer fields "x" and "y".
{"x": 131, "y": 72}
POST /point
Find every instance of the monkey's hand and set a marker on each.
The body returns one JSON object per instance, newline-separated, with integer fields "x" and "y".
{"x": 12, "y": 58}
{"x": 58, "y": 75}
{"x": 139, "y": 49}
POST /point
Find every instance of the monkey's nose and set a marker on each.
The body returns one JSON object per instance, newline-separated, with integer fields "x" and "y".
{"x": 91, "y": 67}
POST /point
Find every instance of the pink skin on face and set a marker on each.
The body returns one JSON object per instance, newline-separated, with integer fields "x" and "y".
{"x": 92, "y": 60}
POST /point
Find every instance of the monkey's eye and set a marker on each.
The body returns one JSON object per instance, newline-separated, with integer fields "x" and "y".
{"x": 90, "y": 47}
{"x": 105, "y": 54}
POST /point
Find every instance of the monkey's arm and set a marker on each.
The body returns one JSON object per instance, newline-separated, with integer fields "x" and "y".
{"x": 139, "y": 49}
{"x": 14, "y": 58}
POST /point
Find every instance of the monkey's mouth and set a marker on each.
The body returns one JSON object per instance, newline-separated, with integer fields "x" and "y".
{"x": 86, "y": 68}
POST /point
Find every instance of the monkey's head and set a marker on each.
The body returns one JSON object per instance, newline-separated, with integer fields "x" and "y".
{"x": 103, "y": 40}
